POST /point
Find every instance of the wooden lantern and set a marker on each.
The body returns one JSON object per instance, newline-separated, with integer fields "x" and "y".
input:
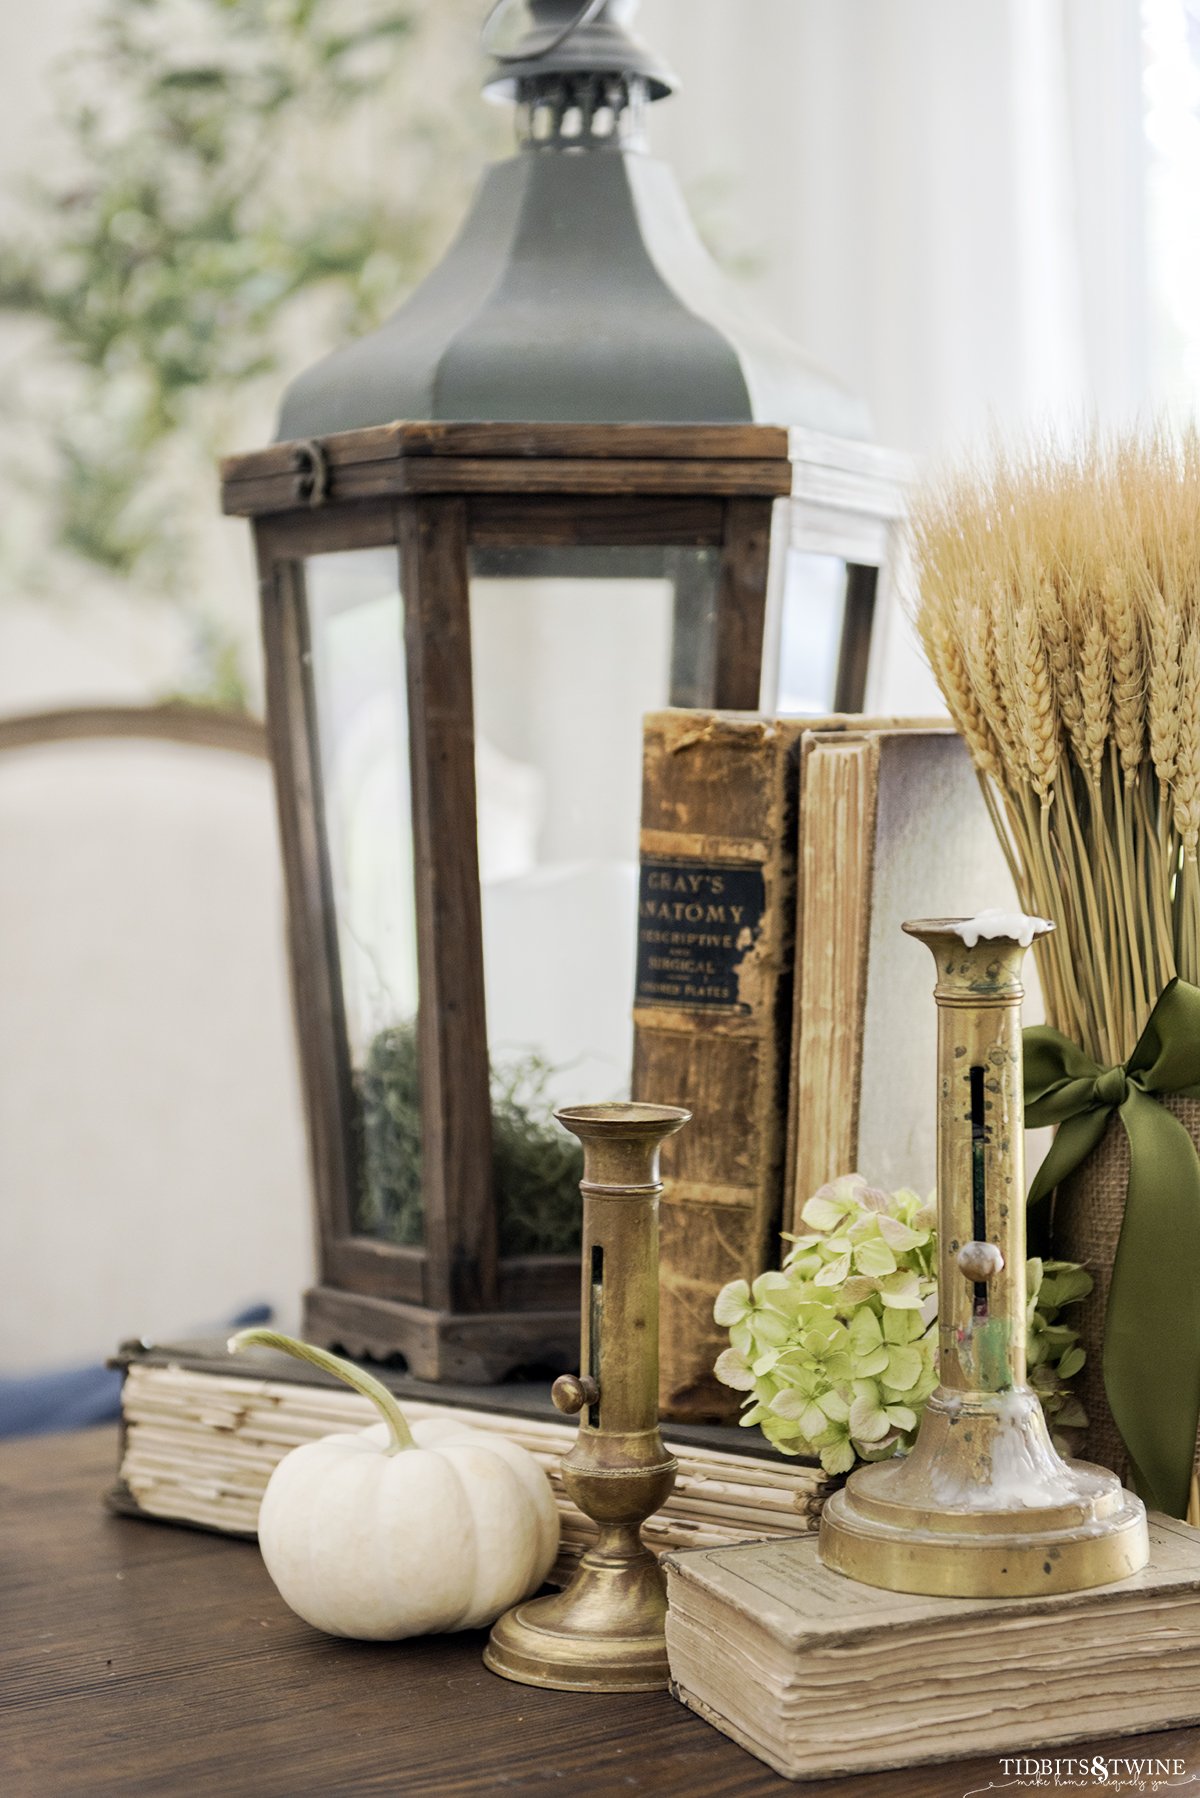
{"x": 464, "y": 621}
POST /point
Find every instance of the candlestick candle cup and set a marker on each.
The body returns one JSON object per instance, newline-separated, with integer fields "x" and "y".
{"x": 605, "y": 1631}
{"x": 983, "y": 1506}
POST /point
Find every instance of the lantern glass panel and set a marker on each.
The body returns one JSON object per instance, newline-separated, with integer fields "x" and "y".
{"x": 814, "y": 611}
{"x": 570, "y": 648}
{"x": 360, "y": 716}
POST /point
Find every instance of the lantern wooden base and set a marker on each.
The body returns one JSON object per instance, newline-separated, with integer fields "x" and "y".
{"x": 475, "y": 1348}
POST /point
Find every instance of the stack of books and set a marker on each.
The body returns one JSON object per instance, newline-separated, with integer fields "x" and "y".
{"x": 202, "y": 1431}
{"x": 779, "y": 858}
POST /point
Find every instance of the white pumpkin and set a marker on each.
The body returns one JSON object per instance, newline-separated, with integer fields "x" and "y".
{"x": 390, "y": 1531}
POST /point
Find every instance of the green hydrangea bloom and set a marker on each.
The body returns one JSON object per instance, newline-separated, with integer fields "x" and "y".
{"x": 837, "y": 1350}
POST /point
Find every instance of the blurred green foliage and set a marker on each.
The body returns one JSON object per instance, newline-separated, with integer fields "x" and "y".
{"x": 234, "y": 187}
{"x": 536, "y": 1166}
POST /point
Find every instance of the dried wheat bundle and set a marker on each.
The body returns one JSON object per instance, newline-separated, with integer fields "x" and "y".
{"x": 1059, "y": 605}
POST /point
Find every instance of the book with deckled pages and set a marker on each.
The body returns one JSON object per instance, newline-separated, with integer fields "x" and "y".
{"x": 892, "y": 826}
{"x": 201, "y": 1432}
{"x": 818, "y": 1675}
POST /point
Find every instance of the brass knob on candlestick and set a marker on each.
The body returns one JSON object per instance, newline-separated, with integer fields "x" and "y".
{"x": 980, "y": 1261}
{"x": 574, "y": 1392}
{"x": 605, "y": 1631}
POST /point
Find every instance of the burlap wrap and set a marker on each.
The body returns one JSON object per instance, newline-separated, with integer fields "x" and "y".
{"x": 1087, "y": 1223}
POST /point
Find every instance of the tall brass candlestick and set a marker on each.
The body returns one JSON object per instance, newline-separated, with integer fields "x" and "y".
{"x": 983, "y": 1506}
{"x": 604, "y": 1631}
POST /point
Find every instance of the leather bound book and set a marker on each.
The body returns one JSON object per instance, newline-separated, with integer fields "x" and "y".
{"x": 716, "y": 917}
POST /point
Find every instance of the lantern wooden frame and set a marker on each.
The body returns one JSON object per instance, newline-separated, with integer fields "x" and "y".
{"x": 454, "y": 1308}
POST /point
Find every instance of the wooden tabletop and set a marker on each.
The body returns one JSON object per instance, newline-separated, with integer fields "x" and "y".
{"x": 154, "y": 1662}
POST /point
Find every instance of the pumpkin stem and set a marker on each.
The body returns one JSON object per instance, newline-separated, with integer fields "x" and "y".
{"x": 367, "y": 1384}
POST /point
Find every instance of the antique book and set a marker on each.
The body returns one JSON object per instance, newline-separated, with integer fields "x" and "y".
{"x": 201, "y": 1432}
{"x": 715, "y": 910}
{"x": 716, "y": 934}
{"x": 819, "y": 1675}
{"x": 893, "y": 826}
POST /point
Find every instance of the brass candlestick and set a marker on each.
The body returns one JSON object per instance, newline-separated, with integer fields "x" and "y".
{"x": 983, "y": 1506}
{"x": 604, "y": 1631}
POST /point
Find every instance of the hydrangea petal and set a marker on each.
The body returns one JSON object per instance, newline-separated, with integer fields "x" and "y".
{"x": 900, "y": 1236}
{"x": 902, "y": 1289}
{"x": 901, "y": 1416}
{"x": 904, "y": 1367}
{"x": 865, "y": 1332}
{"x": 901, "y": 1326}
{"x": 874, "y": 1257}
{"x": 821, "y": 1214}
{"x": 732, "y": 1303}
{"x": 867, "y": 1420}
{"x": 838, "y": 1457}
{"x": 731, "y": 1370}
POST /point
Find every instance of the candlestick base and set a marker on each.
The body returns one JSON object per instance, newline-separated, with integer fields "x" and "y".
{"x": 984, "y": 1507}
{"x": 603, "y": 1633}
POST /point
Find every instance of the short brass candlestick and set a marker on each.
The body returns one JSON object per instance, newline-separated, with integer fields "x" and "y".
{"x": 984, "y": 1506}
{"x": 604, "y": 1631}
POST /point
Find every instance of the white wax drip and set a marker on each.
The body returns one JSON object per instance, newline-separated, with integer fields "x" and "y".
{"x": 994, "y": 922}
{"x": 1024, "y": 1473}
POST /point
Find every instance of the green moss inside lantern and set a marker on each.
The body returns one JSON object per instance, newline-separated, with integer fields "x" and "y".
{"x": 536, "y": 1167}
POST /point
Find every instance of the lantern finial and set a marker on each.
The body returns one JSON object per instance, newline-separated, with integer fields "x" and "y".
{"x": 580, "y": 78}
{"x": 567, "y": 38}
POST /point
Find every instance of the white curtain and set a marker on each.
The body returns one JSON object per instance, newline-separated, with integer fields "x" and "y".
{"x": 944, "y": 202}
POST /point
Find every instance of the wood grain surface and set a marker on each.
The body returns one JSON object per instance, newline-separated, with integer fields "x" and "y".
{"x": 625, "y": 442}
{"x": 311, "y": 913}
{"x": 456, "y": 1145}
{"x": 151, "y": 1662}
{"x": 496, "y": 474}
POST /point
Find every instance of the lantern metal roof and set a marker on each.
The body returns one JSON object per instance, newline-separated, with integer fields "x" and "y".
{"x": 578, "y": 289}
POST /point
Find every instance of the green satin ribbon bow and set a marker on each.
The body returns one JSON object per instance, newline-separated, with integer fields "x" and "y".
{"x": 1152, "y": 1330}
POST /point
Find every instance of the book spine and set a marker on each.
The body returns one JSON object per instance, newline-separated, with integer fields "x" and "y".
{"x": 715, "y": 939}
{"x": 839, "y": 785}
